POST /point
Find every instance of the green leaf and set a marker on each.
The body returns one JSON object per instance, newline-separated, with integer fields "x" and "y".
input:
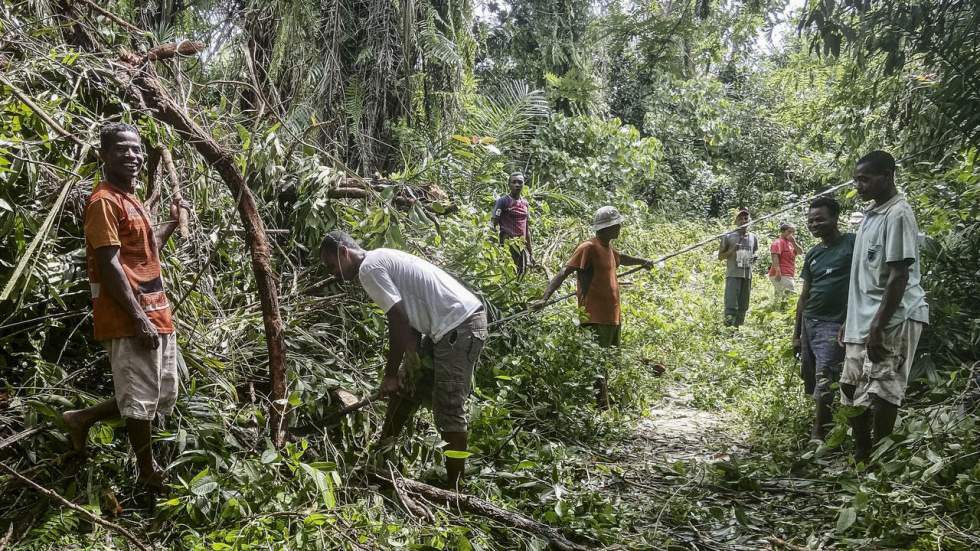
{"x": 846, "y": 518}
{"x": 456, "y": 454}
{"x": 269, "y": 456}
{"x": 204, "y": 488}
{"x": 102, "y": 434}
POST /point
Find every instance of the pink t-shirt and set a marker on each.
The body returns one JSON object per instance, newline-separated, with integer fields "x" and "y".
{"x": 787, "y": 257}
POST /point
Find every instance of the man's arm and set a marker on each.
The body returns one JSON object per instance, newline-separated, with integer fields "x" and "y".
{"x": 527, "y": 239}
{"x": 775, "y": 264}
{"x": 116, "y": 286}
{"x": 627, "y": 260}
{"x": 402, "y": 340}
{"x": 725, "y": 250}
{"x": 796, "y": 246}
{"x": 554, "y": 285}
{"x": 163, "y": 233}
{"x": 898, "y": 278}
{"x": 800, "y": 306}
{"x": 495, "y": 216}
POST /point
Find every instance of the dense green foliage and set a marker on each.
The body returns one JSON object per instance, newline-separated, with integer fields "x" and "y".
{"x": 674, "y": 111}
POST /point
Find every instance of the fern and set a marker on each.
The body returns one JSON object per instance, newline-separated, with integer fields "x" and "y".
{"x": 59, "y": 526}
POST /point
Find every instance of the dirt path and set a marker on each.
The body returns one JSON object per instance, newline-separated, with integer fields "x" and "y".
{"x": 680, "y": 473}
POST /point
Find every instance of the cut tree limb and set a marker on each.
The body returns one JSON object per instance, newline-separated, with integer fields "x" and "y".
{"x": 14, "y": 438}
{"x": 481, "y": 507}
{"x": 168, "y": 163}
{"x": 83, "y": 511}
{"x": 41, "y": 113}
{"x": 115, "y": 18}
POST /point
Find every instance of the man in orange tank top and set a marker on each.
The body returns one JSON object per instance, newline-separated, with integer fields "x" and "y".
{"x": 130, "y": 310}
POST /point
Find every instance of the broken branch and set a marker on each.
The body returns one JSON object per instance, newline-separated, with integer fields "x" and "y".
{"x": 481, "y": 507}
{"x": 168, "y": 162}
{"x": 115, "y": 18}
{"x": 84, "y": 512}
{"x": 40, "y": 112}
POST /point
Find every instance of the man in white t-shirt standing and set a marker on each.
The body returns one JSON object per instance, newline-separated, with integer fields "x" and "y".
{"x": 886, "y": 305}
{"x": 419, "y": 300}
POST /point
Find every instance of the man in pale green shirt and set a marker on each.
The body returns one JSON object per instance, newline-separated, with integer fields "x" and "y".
{"x": 886, "y": 305}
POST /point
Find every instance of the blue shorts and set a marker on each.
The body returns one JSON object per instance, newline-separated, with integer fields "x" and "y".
{"x": 822, "y": 358}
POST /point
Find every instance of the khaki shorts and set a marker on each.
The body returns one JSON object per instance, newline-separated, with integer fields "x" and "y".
{"x": 145, "y": 381}
{"x": 784, "y": 286}
{"x": 888, "y": 378}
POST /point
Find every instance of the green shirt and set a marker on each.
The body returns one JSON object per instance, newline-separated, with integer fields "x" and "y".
{"x": 828, "y": 271}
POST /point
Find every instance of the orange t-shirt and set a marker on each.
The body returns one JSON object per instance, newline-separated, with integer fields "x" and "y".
{"x": 116, "y": 218}
{"x": 598, "y": 288}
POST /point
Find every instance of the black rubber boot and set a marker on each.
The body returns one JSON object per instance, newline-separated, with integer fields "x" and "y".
{"x": 885, "y": 415}
{"x": 861, "y": 427}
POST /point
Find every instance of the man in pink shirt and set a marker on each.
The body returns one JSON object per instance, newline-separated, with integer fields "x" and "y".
{"x": 511, "y": 218}
{"x": 783, "y": 269}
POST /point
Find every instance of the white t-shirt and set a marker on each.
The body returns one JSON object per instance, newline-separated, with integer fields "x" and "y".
{"x": 434, "y": 301}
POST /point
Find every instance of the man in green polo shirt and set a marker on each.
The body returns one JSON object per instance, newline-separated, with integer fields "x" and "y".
{"x": 886, "y": 305}
{"x": 821, "y": 308}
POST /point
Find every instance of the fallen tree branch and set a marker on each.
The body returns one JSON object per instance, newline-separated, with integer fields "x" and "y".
{"x": 14, "y": 438}
{"x": 168, "y": 163}
{"x": 84, "y": 512}
{"x": 115, "y": 18}
{"x": 414, "y": 508}
{"x": 483, "y": 508}
{"x": 783, "y": 543}
{"x": 41, "y": 113}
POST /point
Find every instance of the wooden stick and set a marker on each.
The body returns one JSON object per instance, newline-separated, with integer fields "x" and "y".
{"x": 168, "y": 162}
{"x": 40, "y": 112}
{"x": 360, "y": 404}
{"x": 6, "y": 538}
{"x": 783, "y": 543}
{"x": 85, "y": 512}
{"x": 13, "y": 438}
{"x": 477, "y": 506}
{"x": 113, "y": 17}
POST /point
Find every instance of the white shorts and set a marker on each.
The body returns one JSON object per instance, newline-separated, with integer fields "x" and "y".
{"x": 888, "y": 378}
{"x": 785, "y": 284}
{"x": 145, "y": 381}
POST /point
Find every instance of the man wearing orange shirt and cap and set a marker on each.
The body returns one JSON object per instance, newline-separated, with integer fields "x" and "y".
{"x": 595, "y": 262}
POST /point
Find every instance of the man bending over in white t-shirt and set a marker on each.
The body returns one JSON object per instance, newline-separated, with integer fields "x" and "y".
{"x": 419, "y": 300}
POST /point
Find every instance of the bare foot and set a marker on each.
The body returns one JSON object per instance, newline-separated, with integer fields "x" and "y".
{"x": 77, "y": 430}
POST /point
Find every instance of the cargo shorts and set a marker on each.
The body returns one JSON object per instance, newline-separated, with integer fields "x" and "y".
{"x": 447, "y": 372}
{"x": 888, "y": 378}
{"x": 144, "y": 380}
